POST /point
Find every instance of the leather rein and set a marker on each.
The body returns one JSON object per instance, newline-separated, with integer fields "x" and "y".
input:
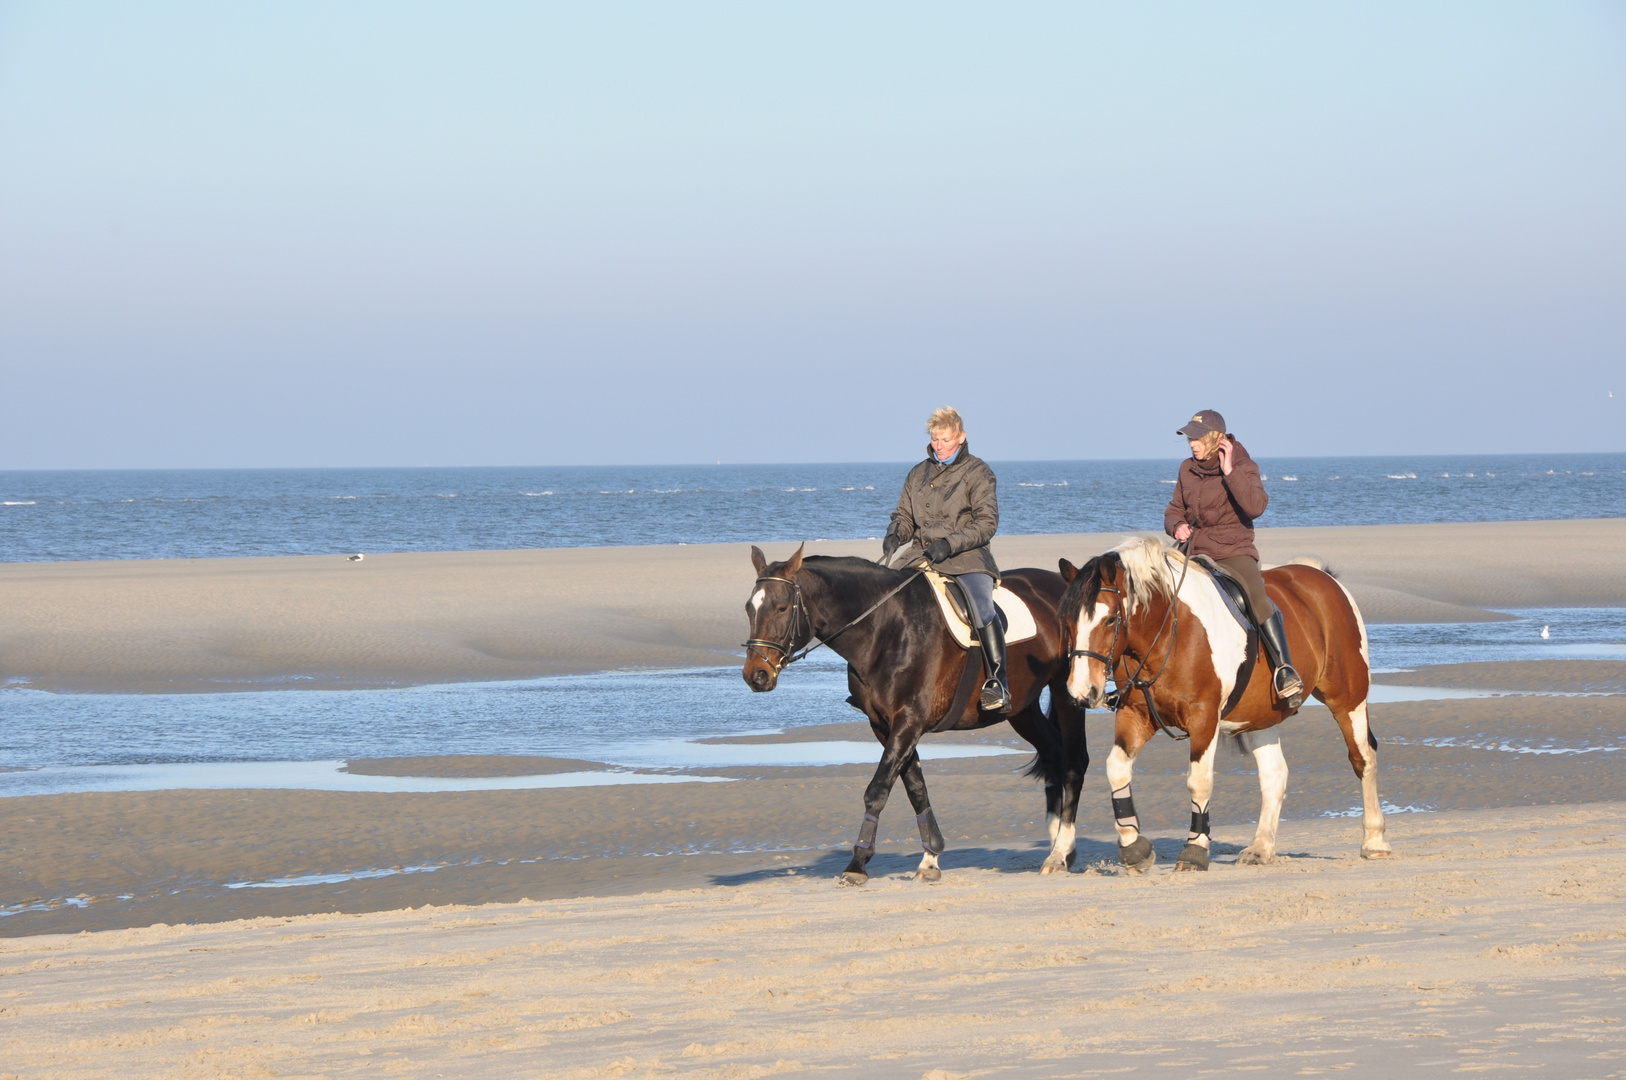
{"x": 798, "y": 615}
{"x": 1119, "y": 697}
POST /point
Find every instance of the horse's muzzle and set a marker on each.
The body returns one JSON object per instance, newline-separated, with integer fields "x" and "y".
{"x": 1092, "y": 698}
{"x": 759, "y": 677}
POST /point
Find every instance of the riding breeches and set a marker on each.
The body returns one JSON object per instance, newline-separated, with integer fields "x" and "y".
{"x": 1246, "y": 571}
{"x": 979, "y": 589}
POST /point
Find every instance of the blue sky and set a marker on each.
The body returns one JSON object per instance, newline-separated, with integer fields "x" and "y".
{"x": 402, "y": 234}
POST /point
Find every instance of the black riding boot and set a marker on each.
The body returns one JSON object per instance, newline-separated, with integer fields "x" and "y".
{"x": 1289, "y": 687}
{"x": 996, "y": 691}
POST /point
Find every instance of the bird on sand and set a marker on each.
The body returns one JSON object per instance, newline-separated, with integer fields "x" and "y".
{"x": 1544, "y": 634}
{"x": 357, "y": 557}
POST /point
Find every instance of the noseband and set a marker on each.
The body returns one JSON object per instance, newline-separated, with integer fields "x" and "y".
{"x": 798, "y": 613}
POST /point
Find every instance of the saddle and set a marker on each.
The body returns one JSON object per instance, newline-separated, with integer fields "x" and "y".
{"x": 1014, "y": 617}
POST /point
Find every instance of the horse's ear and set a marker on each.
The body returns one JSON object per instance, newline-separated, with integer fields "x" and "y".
{"x": 1068, "y": 571}
{"x": 795, "y": 563}
{"x": 1110, "y": 565}
{"x": 758, "y": 560}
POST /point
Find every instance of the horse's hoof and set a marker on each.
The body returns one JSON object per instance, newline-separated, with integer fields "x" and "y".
{"x": 1250, "y": 857}
{"x": 1375, "y": 853}
{"x": 929, "y": 873}
{"x": 853, "y": 877}
{"x": 1138, "y": 856}
{"x": 1053, "y": 865}
{"x": 1192, "y": 857}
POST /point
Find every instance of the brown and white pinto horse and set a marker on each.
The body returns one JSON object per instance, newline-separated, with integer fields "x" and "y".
{"x": 1117, "y": 609}
{"x": 903, "y": 667}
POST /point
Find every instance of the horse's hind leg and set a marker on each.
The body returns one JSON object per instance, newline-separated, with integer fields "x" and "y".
{"x": 1266, "y": 748}
{"x": 931, "y": 837}
{"x": 1363, "y": 758}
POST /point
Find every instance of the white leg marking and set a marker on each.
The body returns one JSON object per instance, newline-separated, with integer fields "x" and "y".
{"x": 1200, "y": 782}
{"x": 1266, "y": 747}
{"x": 928, "y": 861}
{"x": 1372, "y": 842}
{"x": 1120, "y": 770}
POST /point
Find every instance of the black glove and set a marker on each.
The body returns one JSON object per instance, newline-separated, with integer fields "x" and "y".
{"x": 938, "y": 550}
{"x": 889, "y": 545}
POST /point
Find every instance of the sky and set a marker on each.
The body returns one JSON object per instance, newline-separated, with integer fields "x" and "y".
{"x": 531, "y": 234}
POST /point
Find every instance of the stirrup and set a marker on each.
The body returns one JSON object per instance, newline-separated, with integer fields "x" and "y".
{"x": 994, "y": 697}
{"x": 1292, "y": 693}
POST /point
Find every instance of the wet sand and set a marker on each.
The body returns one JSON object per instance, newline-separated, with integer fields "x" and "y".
{"x": 322, "y": 622}
{"x": 172, "y": 855}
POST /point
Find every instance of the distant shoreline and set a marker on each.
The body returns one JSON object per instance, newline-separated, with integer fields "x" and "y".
{"x": 322, "y": 622}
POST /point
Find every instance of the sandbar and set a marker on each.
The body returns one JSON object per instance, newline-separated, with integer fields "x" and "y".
{"x": 202, "y": 625}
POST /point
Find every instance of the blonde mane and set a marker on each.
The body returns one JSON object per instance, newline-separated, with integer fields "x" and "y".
{"x": 1148, "y": 571}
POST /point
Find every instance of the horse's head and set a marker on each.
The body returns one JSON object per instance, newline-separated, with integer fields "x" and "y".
{"x": 779, "y": 622}
{"x": 1091, "y": 615}
{"x": 1102, "y": 598}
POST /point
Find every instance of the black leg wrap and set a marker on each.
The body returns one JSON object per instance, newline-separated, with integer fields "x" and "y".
{"x": 1123, "y": 811}
{"x": 1199, "y": 823}
{"x": 1192, "y": 857}
{"x": 1139, "y": 853}
{"x": 931, "y": 837}
{"x": 867, "y": 831}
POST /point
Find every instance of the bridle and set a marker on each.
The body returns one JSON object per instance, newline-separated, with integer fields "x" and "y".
{"x": 798, "y": 615}
{"x": 1119, "y": 696}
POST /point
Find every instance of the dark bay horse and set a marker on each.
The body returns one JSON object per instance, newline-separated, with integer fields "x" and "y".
{"x": 903, "y": 669}
{"x": 1142, "y": 609}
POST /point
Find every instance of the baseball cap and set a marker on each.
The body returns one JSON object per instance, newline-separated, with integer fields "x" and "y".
{"x": 1201, "y": 424}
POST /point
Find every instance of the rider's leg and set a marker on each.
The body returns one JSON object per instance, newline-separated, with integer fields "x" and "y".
{"x": 1289, "y": 687}
{"x": 996, "y": 689}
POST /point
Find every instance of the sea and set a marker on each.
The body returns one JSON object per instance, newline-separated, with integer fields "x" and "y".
{"x": 647, "y": 724}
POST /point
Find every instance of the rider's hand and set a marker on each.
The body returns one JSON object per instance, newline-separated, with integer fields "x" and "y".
{"x": 889, "y": 545}
{"x": 1225, "y": 449}
{"x": 1182, "y": 532}
{"x": 938, "y": 550}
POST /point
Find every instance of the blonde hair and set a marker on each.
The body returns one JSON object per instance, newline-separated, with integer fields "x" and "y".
{"x": 1210, "y": 442}
{"x": 945, "y": 419}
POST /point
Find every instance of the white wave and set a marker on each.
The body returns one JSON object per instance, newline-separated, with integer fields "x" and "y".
{"x": 1401, "y": 476}
{"x": 20, "y": 502}
{"x": 1165, "y": 481}
{"x": 1287, "y": 478}
{"x": 535, "y": 494}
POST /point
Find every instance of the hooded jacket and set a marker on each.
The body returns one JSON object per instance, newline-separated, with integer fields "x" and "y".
{"x": 955, "y": 502}
{"x": 1219, "y": 508}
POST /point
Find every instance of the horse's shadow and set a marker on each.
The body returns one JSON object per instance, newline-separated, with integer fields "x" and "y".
{"x": 1100, "y": 856}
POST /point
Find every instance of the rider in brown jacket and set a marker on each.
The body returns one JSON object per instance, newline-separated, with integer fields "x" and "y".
{"x": 949, "y": 507}
{"x": 1217, "y": 494}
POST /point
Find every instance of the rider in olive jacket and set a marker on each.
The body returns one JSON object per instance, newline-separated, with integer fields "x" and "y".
{"x": 949, "y": 507}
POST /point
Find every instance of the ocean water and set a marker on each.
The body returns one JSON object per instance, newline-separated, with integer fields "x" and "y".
{"x": 213, "y": 513}
{"x": 644, "y": 721}
{"x": 649, "y": 720}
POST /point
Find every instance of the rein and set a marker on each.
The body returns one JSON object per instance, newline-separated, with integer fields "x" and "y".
{"x": 798, "y": 614}
{"x": 1120, "y": 695}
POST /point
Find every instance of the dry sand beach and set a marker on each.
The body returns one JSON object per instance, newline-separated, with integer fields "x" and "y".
{"x": 558, "y": 946}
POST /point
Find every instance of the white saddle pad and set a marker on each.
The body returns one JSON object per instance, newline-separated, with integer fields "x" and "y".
{"x": 1019, "y": 620}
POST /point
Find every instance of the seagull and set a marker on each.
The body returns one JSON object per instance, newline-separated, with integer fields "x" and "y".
{"x": 358, "y": 557}
{"x": 1544, "y": 634}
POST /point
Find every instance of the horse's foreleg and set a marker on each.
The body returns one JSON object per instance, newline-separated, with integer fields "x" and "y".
{"x": 1065, "y": 780}
{"x": 1266, "y": 748}
{"x": 1363, "y": 758}
{"x": 931, "y": 837}
{"x": 1200, "y": 783}
{"x": 894, "y": 754}
{"x": 1134, "y": 850}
